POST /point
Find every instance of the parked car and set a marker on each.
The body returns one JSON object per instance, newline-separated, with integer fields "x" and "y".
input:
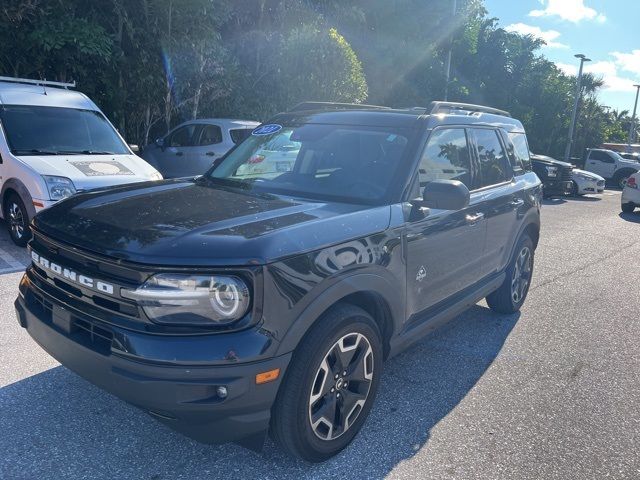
{"x": 233, "y": 304}
{"x": 192, "y": 147}
{"x": 586, "y": 182}
{"x": 610, "y": 165}
{"x": 274, "y": 157}
{"x": 635, "y": 157}
{"x": 556, "y": 176}
{"x": 630, "y": 199}
{"x": 56, "y": 142}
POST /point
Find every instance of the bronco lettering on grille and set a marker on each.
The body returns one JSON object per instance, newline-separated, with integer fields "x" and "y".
{"x": 72, "y": 276}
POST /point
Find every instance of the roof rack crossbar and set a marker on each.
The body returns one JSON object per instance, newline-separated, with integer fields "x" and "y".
{"x": 304, "y": 106}
{"x": 38, "y": 82}
{"x": 443, "y": 107}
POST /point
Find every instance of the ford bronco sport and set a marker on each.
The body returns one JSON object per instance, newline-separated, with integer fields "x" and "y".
{"x": 244, "y": 302}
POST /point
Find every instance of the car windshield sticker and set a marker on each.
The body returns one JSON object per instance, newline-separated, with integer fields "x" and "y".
{"x": 268, "y": 129}
{"x": 101, "y": 169}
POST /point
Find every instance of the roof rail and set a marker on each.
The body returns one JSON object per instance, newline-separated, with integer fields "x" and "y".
{"x": 38, "y": 82}
{"x": 304, "y": 106}
{"x": 448, "y": 107}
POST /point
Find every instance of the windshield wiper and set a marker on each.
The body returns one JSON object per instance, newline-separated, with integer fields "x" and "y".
{"x": 85, "y": 152}
{"x": 35, "y": 151}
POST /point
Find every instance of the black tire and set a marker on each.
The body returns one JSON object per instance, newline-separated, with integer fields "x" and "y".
{"x": 17, "y": 219}
{"x": 628, "y": 207}
{"x": 291, "y": 419}
{"x": 504, "y": 299}
{"x": 574, "y": 189}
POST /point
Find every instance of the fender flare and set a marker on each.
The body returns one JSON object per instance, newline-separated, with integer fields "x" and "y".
{"x": 22, "y": 191}
{"x": 531, "y": 219}
{"x": 356, "y": 283}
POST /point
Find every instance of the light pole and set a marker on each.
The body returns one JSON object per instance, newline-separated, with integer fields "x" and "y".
{"x": 633, "y": 117}
{"x": 572, "y": 127}
{"x": 447, "y": 67}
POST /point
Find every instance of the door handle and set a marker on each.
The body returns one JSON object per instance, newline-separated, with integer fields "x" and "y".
{"x": 211, "y": 154}
{"x": 474, "y": 219}
{"x": 179, "y": 154}
{"x": 517, "y": 202}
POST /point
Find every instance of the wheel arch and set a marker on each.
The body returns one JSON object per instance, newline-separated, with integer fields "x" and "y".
{"x": 13, "y": 185}
{"x": 373, "y": 293}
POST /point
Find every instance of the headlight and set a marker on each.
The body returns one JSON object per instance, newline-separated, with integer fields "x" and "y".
{"x": 155, "y": 176}
{"x": 552, "y": 171}
{"x": 192, "y": 299}
{"x": 59, "y": 187}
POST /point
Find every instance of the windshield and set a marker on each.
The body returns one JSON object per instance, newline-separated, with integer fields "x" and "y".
{"x": 34, "y": 130}
{"x": 352, "y": 163}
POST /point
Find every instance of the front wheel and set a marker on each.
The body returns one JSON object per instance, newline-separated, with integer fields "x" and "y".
{"x": 620, "y": 179}
{"x": 511, "y": 295}
{"x": 17, "y": 218}
{"x": 330, "y": 385}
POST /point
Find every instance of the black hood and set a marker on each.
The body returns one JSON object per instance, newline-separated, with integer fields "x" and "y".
{"x": 186, "y": 222}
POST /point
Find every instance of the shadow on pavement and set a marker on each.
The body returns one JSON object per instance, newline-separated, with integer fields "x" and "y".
{"x": 633, "y": 217}
{"x": 583, "y": 198}
{"x": 553, "y": 201}
{"x": 56, "y": 425}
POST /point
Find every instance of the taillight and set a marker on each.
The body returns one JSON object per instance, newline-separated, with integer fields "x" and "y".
{"x": 631, "y": 182}
{"x": 255, "y": 159}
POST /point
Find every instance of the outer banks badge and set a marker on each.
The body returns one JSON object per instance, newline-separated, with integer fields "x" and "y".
{"x": 268, "y": 129}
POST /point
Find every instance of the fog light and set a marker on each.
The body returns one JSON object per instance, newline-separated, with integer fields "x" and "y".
{"x": 222, "y": 392}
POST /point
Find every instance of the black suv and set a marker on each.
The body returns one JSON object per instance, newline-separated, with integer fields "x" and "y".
{"x": 266, "y": 294}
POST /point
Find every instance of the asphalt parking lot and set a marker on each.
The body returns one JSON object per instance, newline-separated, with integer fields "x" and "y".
{"x": 553, "y": 392}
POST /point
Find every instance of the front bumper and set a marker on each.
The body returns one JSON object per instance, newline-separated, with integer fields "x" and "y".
{"x": 589, "y": 186}
{"x": 183, "y": 397}
{"x": 557, "y": 188}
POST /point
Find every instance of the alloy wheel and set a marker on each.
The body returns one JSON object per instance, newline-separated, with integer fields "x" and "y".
{"x": 16, "y": 220}
{"x": 341, "y": 386}
{"x": 521, "y": 275}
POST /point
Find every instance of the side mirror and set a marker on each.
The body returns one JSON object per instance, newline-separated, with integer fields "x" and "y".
{"x": 134, "y": 148}
{"x": 159, "y": 142}
{"x": 446, "y": 195}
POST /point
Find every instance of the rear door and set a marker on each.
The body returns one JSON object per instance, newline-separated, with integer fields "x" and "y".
{"x": 498, "y": 195}
{"x": 173, "y": 158}
{"x": 445, "y": 249}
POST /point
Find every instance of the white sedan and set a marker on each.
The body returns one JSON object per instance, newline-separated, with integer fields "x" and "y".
{"x": 631, "y": 193}
{"x": 586, "y": 182}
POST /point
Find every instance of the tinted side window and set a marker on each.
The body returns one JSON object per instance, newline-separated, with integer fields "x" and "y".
{"x": 492, "y": 158}
{"x": 182, "y": 137}
{"x": 446, "y": 157}
{"x": 519, "y": 152}
{"x": 239, "y": 134}
{"x": 600, "y": 156}
{"x": 210, "y": 135}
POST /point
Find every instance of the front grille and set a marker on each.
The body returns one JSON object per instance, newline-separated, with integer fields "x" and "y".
{"x": 60, "y": 289}
{"x": 88, "y": 332}
{"x": 565, "y": 174}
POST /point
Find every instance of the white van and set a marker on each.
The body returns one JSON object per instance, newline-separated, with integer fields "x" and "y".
{"x": 55, "y": 142}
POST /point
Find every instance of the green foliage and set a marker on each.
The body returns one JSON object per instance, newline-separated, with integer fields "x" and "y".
{"x": 151, "y": 64}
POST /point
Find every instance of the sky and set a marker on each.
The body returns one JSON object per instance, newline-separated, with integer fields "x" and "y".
{"x": 607, "y": 31}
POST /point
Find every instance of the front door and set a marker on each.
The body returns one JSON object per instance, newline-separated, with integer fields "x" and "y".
{"x": 445, "y": 249}
{"x": 173, "y": 158}
{"x": 601, "y": 163}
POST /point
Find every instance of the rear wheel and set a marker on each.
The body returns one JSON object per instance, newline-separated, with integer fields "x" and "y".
{"x": 17, "y": 218}
{"x": 330, "y": 385}
{"x": 574, "y": 189}
{"x": 513, "y": 291}
{"x": 628, "y": 207}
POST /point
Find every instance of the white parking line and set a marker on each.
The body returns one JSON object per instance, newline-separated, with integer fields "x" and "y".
{"x": 14, "y": 265}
